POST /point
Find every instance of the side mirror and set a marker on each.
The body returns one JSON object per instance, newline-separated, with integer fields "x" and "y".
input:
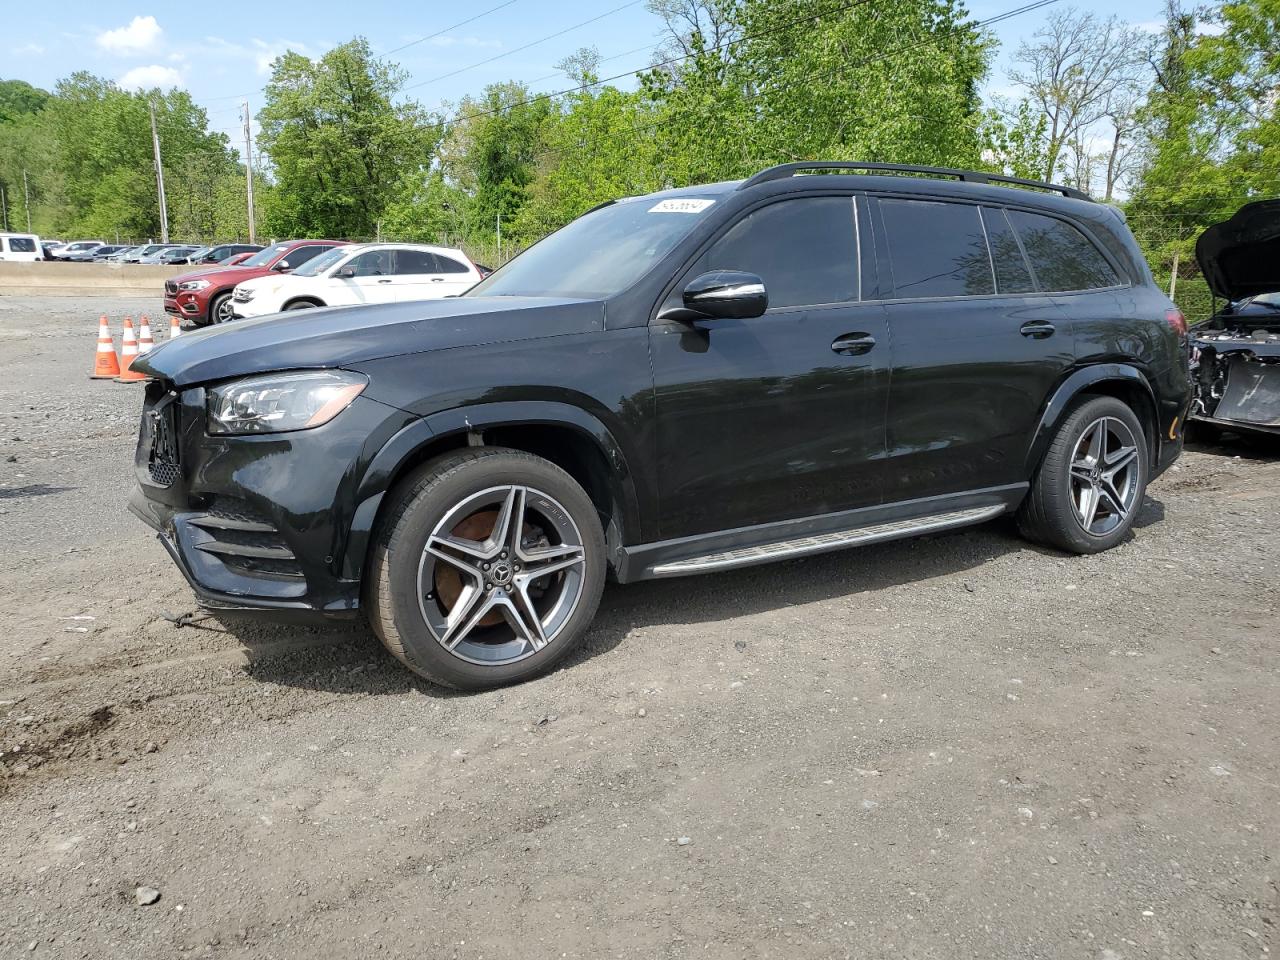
{"x": 346, "y": 273}
{"x": 282, "y": 266}
{"x": 722, "y": 295}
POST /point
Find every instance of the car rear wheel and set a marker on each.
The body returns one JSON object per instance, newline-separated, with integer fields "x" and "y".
{"x": 302, "y": 305}
{"x": 220, "y": 308}
{"x": 1090, "y": 485}
{"x": 486, "y": 569}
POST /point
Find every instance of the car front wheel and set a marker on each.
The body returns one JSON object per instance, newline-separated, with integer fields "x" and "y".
{"x": 486, "y": 569}
{"x": 220, "y": 309}
{"x": 1092, "y": 480}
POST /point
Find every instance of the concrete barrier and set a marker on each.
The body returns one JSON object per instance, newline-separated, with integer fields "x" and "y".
{"x": 43, "y": 279}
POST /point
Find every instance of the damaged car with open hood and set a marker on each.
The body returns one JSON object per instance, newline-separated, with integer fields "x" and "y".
{"x": 1235, "y": 354}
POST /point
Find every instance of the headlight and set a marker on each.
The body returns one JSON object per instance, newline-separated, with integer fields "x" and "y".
{"x": 281, "y": 401}
{"x": 193, "y": 285}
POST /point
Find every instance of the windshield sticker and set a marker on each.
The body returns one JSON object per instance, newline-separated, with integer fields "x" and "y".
{"x": 686, "y": 205}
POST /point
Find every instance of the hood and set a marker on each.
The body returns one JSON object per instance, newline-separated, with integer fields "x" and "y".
{"x": 340, "y": 336}
{"x": 216, "y": 273}
{"x": 1241, "y": 256}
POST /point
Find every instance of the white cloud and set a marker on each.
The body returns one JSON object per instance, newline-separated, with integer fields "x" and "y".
{"x": 142, "y": 34}
{"x": 262, "y": 52}
{"x": 144, "y": 78}
{"x": 28, "y": 50}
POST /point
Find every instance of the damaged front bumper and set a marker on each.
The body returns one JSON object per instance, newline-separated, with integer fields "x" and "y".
{"x": 1236, "y": 380}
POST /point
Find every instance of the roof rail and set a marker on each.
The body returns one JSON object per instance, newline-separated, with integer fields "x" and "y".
{"x": 784, "y": 170}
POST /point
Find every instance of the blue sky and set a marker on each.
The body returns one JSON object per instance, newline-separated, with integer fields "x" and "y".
{"x": 221, "y": 52}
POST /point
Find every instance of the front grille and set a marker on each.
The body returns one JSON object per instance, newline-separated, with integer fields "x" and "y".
{"x": 162, "y": 461}
{"x": 170, "y": 287}
{"x": 244, "y": 539}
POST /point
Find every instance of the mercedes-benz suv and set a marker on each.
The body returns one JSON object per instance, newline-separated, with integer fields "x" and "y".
{"x": 820, "y": 356}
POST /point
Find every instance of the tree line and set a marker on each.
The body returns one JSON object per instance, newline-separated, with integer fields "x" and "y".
{"x": 1178, "y": 124}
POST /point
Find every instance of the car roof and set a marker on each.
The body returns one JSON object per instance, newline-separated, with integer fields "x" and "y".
{"x": 391, "y": 245}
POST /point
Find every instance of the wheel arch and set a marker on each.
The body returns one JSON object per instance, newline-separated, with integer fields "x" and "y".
{"x": 1123, "y": 381}
{"x": 568, "y": 436}
{"x": 307, "y": 298}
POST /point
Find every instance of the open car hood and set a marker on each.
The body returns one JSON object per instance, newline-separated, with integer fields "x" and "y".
{"x": 1241, "y": 257}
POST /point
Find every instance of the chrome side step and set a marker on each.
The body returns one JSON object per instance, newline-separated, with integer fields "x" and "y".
{"x": 821, "y": 543}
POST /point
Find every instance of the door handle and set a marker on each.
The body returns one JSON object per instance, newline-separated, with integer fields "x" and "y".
{"x": 1037, "y": 329}
{"x": 437, "y": 279}
{"x": 384, "y": 281}
{"x": 853, "y": 344}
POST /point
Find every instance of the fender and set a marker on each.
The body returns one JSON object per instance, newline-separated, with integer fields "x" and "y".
{"x": 1075, "y": 383}
{"x": 419, "y": 434}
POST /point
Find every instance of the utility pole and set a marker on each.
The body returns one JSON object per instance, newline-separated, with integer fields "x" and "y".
{"x": 4, "y": 205}
{"x": 248, "y": 172}
{"x": 499, "y": 238}
{"x": 1173, "y": 275}
{"x": 155, "y": 146}
{"x": 26, "y": 197}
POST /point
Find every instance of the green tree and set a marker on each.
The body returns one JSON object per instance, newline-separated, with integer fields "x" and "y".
{"x": 338, "y": 143}
{"x": 1212, "y": 132}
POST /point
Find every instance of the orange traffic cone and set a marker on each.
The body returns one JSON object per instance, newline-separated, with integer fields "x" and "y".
{"x": 128, "y": 353}
{"x": 145, "y": 343}
{"x": 175, "y": 327}
{"x": 106, "y": 366}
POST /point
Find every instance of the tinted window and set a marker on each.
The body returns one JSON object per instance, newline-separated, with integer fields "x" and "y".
{"x": 375, "y": 263}
{"x": 449, "y": 265}
{"x": 415, "y": 262}
{"x": 1062, "y": 257}
{"x": 1012, "y": 275}
{"x": 301, "y": 255}
{"x": 805, "y": 250}
{"x": 262, "y": 258}
{"x": 936, "y": 249}
{"x": 22, "y": 245}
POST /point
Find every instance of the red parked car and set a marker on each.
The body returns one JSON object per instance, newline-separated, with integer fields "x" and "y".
{"x": 204, "y": 296}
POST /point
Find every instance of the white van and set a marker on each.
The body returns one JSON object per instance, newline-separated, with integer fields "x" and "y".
{"x": 20, "y": 246}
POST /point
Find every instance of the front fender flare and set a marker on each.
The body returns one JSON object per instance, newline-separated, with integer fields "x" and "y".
{"x": 416, "y": 436}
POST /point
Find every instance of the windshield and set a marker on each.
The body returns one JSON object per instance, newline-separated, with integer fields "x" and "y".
{"x": 320, "y": 264}
{"x": 600, "y": 253}
{"x": 263, "y": 257}
{"x": 1271, "y": 300}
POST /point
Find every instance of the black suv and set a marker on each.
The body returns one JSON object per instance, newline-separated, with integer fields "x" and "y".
{"x": 690, "y": 381}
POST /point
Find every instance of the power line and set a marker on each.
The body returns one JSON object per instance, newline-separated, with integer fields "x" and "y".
{"x": 441, "y": 33}
{"x": 534, "y": 43}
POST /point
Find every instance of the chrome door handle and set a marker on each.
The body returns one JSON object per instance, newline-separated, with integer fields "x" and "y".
{"x": 384, "y": 281}
{"x": 437, "y": 279}
{"x": 853, "y": 344}
{"x": 1037, "y": 329}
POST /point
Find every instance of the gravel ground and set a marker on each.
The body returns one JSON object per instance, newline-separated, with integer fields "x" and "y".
{"x": 959, "y": 746}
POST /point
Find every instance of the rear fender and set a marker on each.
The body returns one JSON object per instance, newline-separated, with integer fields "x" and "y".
{"x": 1083, "y": 381}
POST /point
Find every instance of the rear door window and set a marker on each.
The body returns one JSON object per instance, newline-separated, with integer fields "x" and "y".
{"x": 22, "y": 245}
{"x": 1012, "y": 274}
{"x": 1062, "y": 257}
{"x": 805, "y": 250}
{"x": 936, "y": 249}
{"x": 415, "y": 262}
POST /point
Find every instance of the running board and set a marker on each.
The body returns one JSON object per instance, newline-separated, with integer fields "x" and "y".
{"x": 821, "y": 543}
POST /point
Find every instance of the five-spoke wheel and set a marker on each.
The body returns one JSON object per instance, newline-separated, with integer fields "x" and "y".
{"x": 487, "y": 568}
{"x": 1091, "y": 481}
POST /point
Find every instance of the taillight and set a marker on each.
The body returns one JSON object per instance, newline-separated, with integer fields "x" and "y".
{"x": 1177, "y": 322}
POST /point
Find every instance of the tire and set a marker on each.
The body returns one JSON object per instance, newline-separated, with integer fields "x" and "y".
{"x": 302, "y": 305}
{"x": 218, "y": 307}
{"x": 412, "y": 595}
{"x": 1056, "y": 507}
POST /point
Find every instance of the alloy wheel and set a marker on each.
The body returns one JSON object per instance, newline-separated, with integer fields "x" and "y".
{"x": 223, "y": 312}
{"x": 1105, "y": 476}
{"x": 501, "y": 574}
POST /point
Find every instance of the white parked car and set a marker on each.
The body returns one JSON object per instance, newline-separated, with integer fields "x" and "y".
{"x": 360, "y": 273}
{"x": 20, "y": 246}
